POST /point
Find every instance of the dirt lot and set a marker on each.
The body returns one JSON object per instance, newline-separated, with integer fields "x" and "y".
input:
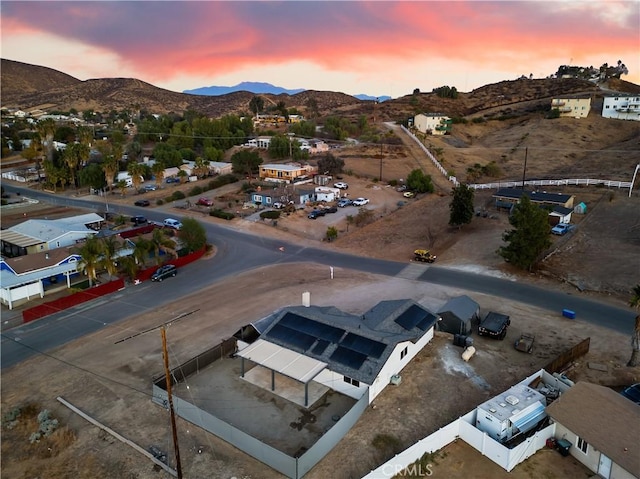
{"x": 113, "y": 384}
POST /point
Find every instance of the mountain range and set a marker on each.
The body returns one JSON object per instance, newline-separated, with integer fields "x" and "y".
{"x": 261, "y": 88}
{"x": 29, "y": 87}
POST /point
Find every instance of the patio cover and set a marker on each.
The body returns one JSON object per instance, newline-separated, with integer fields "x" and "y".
{"x": 282, "y": 360}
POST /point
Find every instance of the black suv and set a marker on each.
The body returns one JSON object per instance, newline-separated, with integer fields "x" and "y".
{"x": 494, "y": 325}
{"x": 139, "y": 220}
{"x": 164, "y": 272}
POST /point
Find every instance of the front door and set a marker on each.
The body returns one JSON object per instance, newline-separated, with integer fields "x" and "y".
{"x": 604, "y": 467}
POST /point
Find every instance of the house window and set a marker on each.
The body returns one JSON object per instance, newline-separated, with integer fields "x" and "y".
{"x": 404, "y": 352}
{"x": 353, "y": 382}
{"x": 583, "y": 445}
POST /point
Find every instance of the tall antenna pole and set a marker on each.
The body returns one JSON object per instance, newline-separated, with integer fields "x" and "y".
{"x": 172, "y": 413}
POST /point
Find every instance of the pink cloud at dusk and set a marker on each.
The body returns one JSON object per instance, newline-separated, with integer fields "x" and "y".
{"x": 182, "y": 45}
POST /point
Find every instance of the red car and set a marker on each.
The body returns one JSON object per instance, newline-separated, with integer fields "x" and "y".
{"x": 205, "y": 202}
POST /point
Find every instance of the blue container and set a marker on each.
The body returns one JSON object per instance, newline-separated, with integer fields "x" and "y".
{"x": 567, "y": 313}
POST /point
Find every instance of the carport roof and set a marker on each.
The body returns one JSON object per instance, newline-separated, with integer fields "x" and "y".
{"x": 19, "y": 239}
{"x": 282, "y": 360}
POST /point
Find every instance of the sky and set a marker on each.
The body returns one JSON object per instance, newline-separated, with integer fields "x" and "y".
{"x": 355, "y": 47}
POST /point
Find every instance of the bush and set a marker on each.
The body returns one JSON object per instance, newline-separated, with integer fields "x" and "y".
{"x": 196, "y": 190}
{"x": 225, "y": 215}
{"x": 177, "y": 195}
{"x": 270, "y": 215}
{"x": 393, "y": 183}
{"x": 159, "y": 202}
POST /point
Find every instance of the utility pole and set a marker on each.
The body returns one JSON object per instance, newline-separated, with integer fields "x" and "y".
{"x": 524, "y": 172}
{"x": 167, "y": 375}
{"x": 380, "y": 162}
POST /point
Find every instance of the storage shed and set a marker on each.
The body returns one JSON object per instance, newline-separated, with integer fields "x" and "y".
{"x": 458, "y": 315}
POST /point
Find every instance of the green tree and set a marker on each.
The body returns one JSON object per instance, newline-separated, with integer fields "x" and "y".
{"x": 530, "y": 236}
{"x": 92, "y": 176}
{"x": 419, "y": 182}
{"x": 91, "y": 253}
{"x": 122, "y": 186}
{"x": 110, "y": 249}
{"x": 246, "y": 162}
{"x": 256, "y": 105}
{"x": 141, "y": 249}
{"x": 158, "y": 171}
{"x": 280, "y": 147}
{"x": 47, "y": 131}
{"x": 634, "y": 302}
{"x": 332, "y": 233}
{"x": 192, "y": 235}
{"x": 136, "y": 170}
{"x": 160, "y": 242}
{"x": 201, "y": 167}
{"x": 74, "y": 155}
{"x": 330, "y": 164}
{"x": 461, "y": 206}
{"x": 312, "y": 105}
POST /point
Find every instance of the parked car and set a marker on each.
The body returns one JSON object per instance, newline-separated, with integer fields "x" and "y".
{"x": 632, "y": 393}
{"x": 344, "y": 202}
{"x": 315, "y": 214}
{"x": 341, "y": 185}
{"x": 150, "y": 187}
{"x": 172, "y": 179}
{"x": 360, "y": 201}
{"x": 164, "y": 272}
{"x": 172, "y": 223}
{"x": 401, "y": 188}
{"x": 142, "y": 203}
{"x": 408, "y": 194}
{"x": 139, "y": 220}
{"x": 331, "y": 209}
{"x": 494, "y": 325}
{"x": 561, "y": 229}
{"x": 204, "y": 202}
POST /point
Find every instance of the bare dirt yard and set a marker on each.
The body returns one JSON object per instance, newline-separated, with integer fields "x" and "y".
{"x": 113, "y": 384}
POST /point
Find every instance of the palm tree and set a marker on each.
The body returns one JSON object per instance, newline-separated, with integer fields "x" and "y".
{"x": 136, "y": 170}
{"x": 110, "y": 248}
{"x": 110, "y": 168}
{"x": 634, "y": 302}
{"x": 47, "y": 130}
{"x": 141, "y": 250}
{"x": 158, "y": 170}
{"x": 160, "y": 242}
{"x": 91, "y": 253}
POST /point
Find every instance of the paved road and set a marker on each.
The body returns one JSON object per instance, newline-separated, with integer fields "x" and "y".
{"x": 240, "y": 252}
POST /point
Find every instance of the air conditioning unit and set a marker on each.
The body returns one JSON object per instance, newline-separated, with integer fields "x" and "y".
{"x": 396, "y": 379}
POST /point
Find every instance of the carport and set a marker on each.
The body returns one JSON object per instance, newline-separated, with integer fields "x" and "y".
{"x": 292, "y": 365}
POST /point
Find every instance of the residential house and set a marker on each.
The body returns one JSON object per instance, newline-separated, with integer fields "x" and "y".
{"x": 560, "y": 214}
{"x": 26, "y": 277}
{"x": 621, "y": 106}
{"x": 458, "y": 315}
{"x": 354, "y": 355}
{"x": 261, "y": 142}
{"x": 286, "y": 173}
{"x": 432, "y": 123}
{"x": 507, "y": 197}
{"x": 220, "y": 168}
{"x": 573, "y": 106}
{"x": 267, "y": 198}
{"x": 603, "y": 428}
{"x": 37, "y": 235}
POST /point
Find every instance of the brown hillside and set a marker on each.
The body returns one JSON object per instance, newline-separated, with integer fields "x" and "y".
{"x": 21, "y": 78}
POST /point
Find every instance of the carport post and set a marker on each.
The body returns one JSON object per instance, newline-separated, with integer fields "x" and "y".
{"x": 273, "y": 380}
{"x": 241, "y": 367}
{"x": 306, "y": 394}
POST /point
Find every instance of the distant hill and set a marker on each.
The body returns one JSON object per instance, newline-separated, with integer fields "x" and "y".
{"x": 28, "y": 87}
{"x": 253, "y": 87}
{"x": 364, "y": 97}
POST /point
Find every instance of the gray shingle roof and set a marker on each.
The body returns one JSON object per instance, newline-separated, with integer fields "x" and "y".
{"x": 535, "y": 196}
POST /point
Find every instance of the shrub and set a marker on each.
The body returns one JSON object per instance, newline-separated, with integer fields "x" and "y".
{"x": 177, "y": 195}
{"x": 159, "y": 202}
{"x": 196, "y": 190}
{"x": 393, "y": 183}
{"x": 271, "y": 215}
{"x": 225, "y": 215}
{"x": 478, "y": 119}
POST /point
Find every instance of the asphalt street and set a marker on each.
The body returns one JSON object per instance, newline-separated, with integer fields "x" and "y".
{"x": 239, "y": 252}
